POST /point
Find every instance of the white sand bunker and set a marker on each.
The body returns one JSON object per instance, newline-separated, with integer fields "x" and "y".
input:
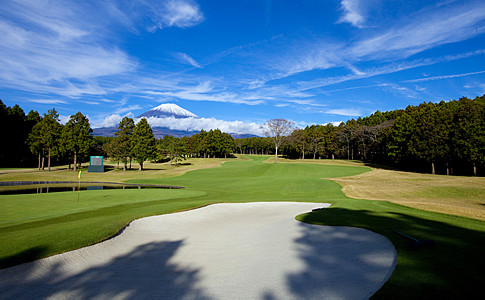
{"x": 222, "y": 251}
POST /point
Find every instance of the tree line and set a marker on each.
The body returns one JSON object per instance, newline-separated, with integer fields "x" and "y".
{"x": 439, "y": 138}
{"x": 42, "y": 140}
{"x": 137, "y": 142}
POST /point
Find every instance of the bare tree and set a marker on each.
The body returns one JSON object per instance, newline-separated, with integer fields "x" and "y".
{"x": 278, "y": 130}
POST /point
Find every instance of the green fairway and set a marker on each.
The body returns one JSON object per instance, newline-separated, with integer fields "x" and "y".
{"x": 34, "y": 226}
{"x": 242, "y": 181}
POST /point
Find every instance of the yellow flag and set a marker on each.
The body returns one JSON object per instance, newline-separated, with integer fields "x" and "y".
{"x": 79, "y": 176}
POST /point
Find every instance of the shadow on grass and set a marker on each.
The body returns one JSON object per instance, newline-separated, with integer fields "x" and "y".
{"x": 381, "y": 166}
{"x": 451, "y": 268}
{"x": 144, "y": 273}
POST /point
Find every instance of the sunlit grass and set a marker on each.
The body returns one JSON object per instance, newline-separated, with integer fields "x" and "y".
{"x": 457, "y": 195}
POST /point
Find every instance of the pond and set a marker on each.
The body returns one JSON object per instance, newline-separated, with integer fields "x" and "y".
{"x": 41, "y": 187}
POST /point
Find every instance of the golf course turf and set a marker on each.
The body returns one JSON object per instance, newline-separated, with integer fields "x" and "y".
{"x": 35, "y": 226}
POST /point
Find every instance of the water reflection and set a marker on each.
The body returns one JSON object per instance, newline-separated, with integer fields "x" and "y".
{"x": 71, "y": 187}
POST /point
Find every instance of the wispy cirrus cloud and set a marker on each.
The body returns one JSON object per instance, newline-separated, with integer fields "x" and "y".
{"x": 126, "y": 109}
{"x": 421, "y": 32}
{"x": 450, "y": 76}
{"x": 348, "y": 112}
{"x": 391, "y": 45}
{"x": 65, "y": 47}
{"x": 186, "y": 59}
{"x": 48, "y": 101}
{"x": 47, "y": 46}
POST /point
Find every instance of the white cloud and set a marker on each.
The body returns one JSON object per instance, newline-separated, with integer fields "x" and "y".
{"x": 336, "y": 124}
{"x": 110, "y": 121}
{"x": 352, "y": 13}
{"x": 64, "y": 119}
{"x": 47, "y": 46}
{"x": 204, "y": 91}
{"x": 125, "y": 109}
{"x": 196, "y": 124}
{"x": 48, "y": 101}
{"x": 444, "y": 77}
{"x": 421, "y": 32}
{"x": 186, "y": 59}
{"x": 181, "y": 13}
{"x": 390, "y": 45}
{"x": 189, "y": 124}
{"x": 348, "y": 112}
{"x": 66, "y": 47}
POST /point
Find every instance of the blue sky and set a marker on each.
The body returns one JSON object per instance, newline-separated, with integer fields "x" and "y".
{"x": 239, "y": 63}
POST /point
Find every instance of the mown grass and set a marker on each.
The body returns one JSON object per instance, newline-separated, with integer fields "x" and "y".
{"x": 450, "y": 268}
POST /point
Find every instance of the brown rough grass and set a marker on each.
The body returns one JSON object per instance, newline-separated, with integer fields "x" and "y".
{"x": 456, "y": 195}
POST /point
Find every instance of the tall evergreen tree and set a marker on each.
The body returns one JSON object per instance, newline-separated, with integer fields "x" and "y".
{"x": 468, "y": 133}
{"x": 3, "y": 132}
{"x": 228, "y": 144}
{"x": 124, "y": 142}
{"x": 143, "y": 142}
{"x": 173, "y": 147}
{"x": 77, "y": 137}
{"x": 45, "y": 135}
{"x": 201, "y": 142}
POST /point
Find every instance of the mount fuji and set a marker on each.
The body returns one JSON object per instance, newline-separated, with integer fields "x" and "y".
{"x": 167, "y": 110}
{"x": 170, "y": 119}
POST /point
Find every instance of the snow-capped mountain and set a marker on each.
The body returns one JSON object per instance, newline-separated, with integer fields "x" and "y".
{"x": 168, "y": 110}
{"x": 171, "y": 119}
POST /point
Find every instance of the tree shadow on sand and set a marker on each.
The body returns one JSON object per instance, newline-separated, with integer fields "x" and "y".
{"x": 449, "y": 268}
{"x": 341, "y": 263}
{"x": 144, "y": 273}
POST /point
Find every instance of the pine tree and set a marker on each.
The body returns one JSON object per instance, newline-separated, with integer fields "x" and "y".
{"x": 45, "y": 135}
{"x": 124, "y": 142}
{"x": 77, "y": 137}
{"x": 143, "y": 142}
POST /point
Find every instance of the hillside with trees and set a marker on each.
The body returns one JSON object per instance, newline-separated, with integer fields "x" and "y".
{"x": 439, "y": 138}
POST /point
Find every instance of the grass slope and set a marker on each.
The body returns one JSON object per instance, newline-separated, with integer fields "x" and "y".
{"x": 36, "y": 226}
{"x": 458, "y": 195}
